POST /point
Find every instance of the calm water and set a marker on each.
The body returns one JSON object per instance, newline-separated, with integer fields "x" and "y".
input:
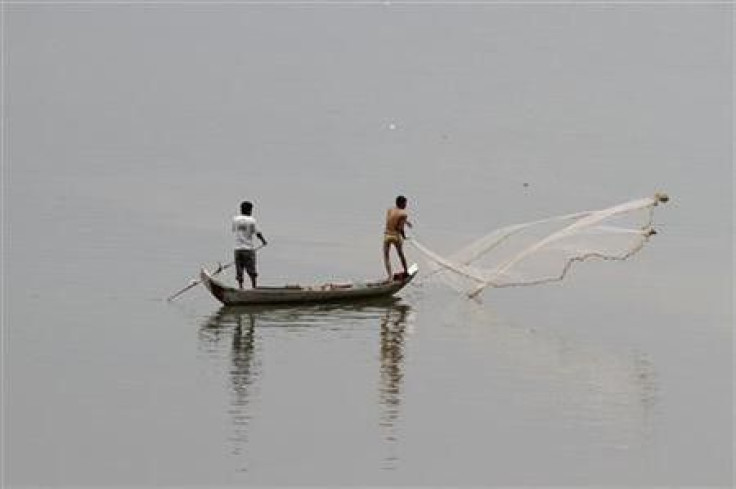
{"x": 133, "y": 134}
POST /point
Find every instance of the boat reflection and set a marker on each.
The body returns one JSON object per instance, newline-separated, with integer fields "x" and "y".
{"x": 248, "y": 328}
{"x": 301, "y": 315}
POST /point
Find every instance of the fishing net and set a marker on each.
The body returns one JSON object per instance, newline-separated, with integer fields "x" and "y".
{"x": 543, "y": 251}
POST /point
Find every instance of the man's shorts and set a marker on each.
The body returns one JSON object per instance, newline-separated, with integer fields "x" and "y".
{"x": 245, "y": 260}
{"x": 394, "y": 239}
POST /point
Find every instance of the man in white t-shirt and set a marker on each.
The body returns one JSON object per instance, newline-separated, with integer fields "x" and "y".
{"x": 244, "y": 227}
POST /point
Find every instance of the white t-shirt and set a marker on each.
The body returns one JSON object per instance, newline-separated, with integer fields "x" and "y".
{"x": 245, "y": 230}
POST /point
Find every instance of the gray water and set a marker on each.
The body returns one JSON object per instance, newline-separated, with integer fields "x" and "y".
{"x": 134, "y": 131}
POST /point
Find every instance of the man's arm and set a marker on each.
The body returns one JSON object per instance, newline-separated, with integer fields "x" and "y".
{"x": 405, "y": 217}
{"x": 263, "y": 240}
{"x": 400, "y": 224}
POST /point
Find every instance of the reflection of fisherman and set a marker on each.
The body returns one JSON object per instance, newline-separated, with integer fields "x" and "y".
{"x": 393, "y": 330}
{"x": 396, "y": 219}
{"x": 242, "y": 353}
{"x": 393, "y": 327}
{"x": 244, "y": 369}
{"x": 242, "y": 375}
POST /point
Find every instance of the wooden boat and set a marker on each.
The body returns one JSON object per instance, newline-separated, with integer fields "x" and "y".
{"x": 328, "y": 292}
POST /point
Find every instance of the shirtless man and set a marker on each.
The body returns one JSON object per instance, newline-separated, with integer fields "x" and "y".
{"x": 396, "y": 218}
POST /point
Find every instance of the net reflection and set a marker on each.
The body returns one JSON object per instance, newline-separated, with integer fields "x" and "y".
{"x": 606, "y": 394}
{"x": 238, "y": 336}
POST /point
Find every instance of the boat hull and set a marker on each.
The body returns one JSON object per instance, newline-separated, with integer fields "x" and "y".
{"x": 231, "y": 296}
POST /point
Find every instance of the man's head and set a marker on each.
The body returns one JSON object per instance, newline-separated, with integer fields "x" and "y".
{"x": 401, "y": 202}
{"x": 246, "y": 208}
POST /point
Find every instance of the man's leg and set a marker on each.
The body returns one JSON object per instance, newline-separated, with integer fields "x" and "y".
{"x": 400, "y": 251}
{"x": 239, "y": 269}
{"x": 386, "y": 258}
{"x": 251, "y": 267}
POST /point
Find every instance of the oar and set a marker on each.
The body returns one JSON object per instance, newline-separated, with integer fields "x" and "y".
{"x": 194, "y": 283}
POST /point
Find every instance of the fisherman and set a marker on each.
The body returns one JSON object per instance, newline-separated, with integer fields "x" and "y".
{"x": 244, "y": 227}
{"x": 396, "y": 218}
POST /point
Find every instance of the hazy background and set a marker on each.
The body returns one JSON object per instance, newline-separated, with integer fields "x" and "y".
{"x": 134, "y": 132}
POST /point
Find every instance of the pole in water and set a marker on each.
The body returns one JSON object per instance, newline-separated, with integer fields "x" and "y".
{"x": 193, "y": 283}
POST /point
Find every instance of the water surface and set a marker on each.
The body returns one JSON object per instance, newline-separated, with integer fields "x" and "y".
{"x": 135, "y": 131}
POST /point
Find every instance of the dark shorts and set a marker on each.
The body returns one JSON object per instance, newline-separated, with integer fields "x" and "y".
{"x": 245, "y": 260}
